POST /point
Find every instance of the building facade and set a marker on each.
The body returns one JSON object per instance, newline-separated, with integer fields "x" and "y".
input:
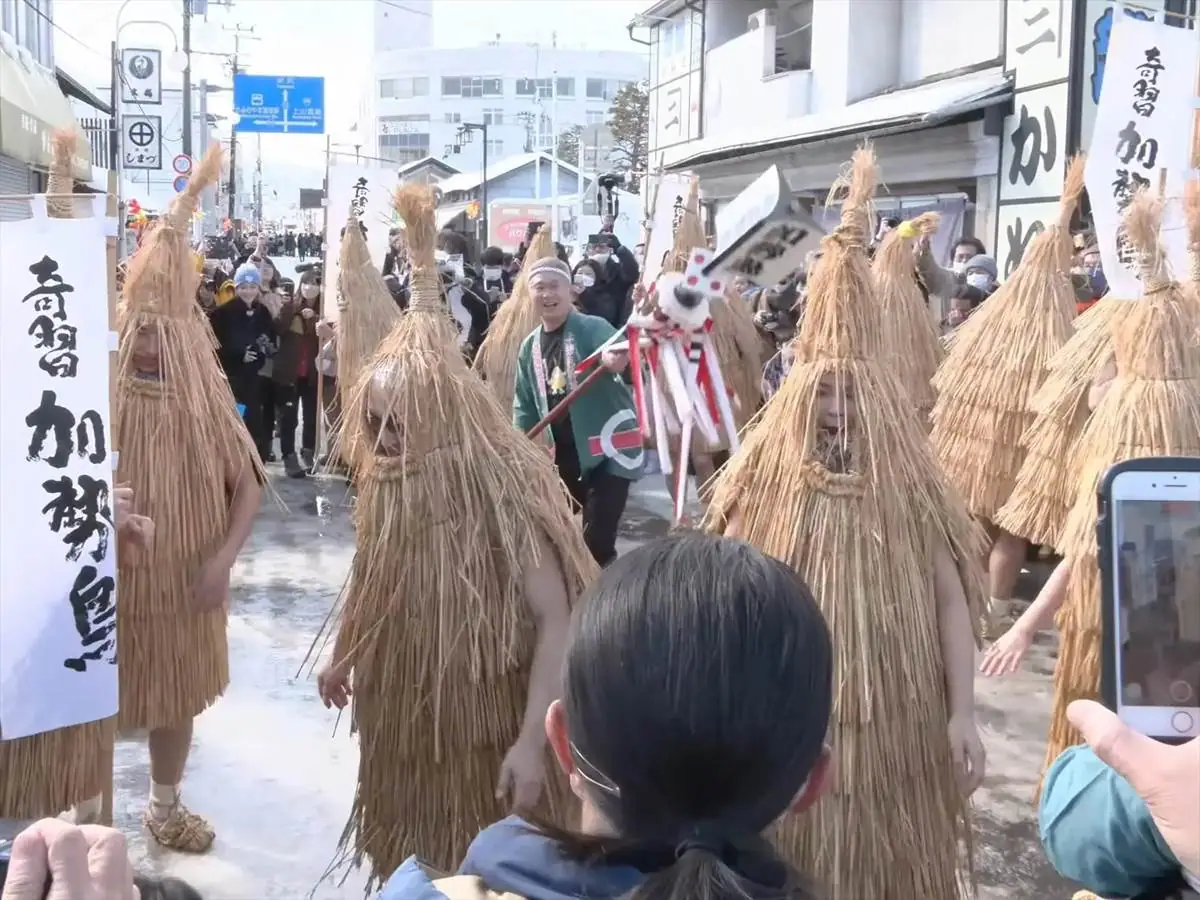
{"x": 524, "y": 94}
{"x": 941, "y": 87}
{"x": 32, "y": 103}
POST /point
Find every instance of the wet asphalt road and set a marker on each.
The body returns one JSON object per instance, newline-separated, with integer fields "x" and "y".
{"x": 274, "y": 771}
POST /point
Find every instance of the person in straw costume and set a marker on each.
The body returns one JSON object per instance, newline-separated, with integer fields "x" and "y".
{"x": 517, "y": 316}
{"x": 46, "y": 774}
{"x": 910, "y": 331}
{"x": 203, "y": 495}
{"x": 893, "y": 556}
{"x": 1098, "y": 371}
{"x": 995, "y": 364}
{"x": 1150, "y": 408}
{"x": 735, "y": 340}
{"x": 455, "y": 611}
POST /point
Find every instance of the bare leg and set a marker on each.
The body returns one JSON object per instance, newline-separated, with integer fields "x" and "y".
{"x": 1004, "y": 567}
{"x": 172, "y": 824}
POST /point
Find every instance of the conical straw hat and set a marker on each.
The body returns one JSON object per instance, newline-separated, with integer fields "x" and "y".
{"x": 911, "y": 335}
{"x": 367, "y": 312}
{"x": 62, "y": 178}
{"x": 862, "y": 515}
{"x": 998, "y": 361}
{"x": 517, "y": 316}
{"x": 1151, "y": 409}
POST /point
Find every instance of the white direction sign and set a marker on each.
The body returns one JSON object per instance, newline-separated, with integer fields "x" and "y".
{"x": 1142, "y": 140}
{"x": 141, "y": 142}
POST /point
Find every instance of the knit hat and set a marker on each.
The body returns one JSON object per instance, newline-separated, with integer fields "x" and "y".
{"x": 984, "y": 262}
{"x": 247, "y": 274}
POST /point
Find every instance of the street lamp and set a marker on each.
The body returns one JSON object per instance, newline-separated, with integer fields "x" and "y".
{"x": 463, "y": 136}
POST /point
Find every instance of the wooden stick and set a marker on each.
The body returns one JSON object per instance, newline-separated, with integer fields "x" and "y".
{"x": 557, "y": 413}
{"x": 107, "y": 754}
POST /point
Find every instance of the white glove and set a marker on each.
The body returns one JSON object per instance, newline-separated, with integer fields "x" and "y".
{"x": 250, "y": 356}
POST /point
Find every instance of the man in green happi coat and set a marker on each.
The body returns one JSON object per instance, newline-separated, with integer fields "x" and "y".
{"x": 597, "y": 445}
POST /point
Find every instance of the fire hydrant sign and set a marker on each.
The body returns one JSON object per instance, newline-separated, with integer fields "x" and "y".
{"x": 1142, "y": 140}
{"x": 58, "y": 612}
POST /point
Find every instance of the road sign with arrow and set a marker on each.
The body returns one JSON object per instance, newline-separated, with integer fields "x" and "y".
{"x": 279, "y": 104}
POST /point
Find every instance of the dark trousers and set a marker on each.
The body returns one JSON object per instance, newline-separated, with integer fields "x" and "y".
{"x": 273, "y": 397}
{"x": 601, "y": 495}
{"x": 298, "y": 400}
{"x": 248, "y": 394}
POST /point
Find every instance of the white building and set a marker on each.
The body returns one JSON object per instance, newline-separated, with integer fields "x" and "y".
{"x": 973, "y": 106}
{"x": 525, "y": 94}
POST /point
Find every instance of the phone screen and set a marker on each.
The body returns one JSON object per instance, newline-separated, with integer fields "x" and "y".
{"x": 1157, "y": 564}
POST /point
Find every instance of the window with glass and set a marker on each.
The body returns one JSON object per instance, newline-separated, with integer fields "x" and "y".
{"x": 453, "y": 118}
{"x": 403, "y": 155}
{"x": 403, "y": 88}
{"x": 565, "y": 87}
{"x": 493, "y": 117}
{"x": 605, "y": 88}
{"x": 542, "y": 88}
{"x": 471, "y": 86}
{"x": 402, "y": 124}
{"x": 595, "y": 116}
{"x": 495, "y": 147}
{"x": 406, "y": 139}
{"x": 1181, "y": 13}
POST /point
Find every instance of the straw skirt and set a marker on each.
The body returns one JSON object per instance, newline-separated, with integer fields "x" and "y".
{"x": 174, "y": 657}
{"x": 44, "y": 774}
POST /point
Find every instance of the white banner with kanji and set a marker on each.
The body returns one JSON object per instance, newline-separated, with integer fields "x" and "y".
{"x": 1142, "y": 139}
{"x": 58, "y": 638}
{"x": 368, "y": 191}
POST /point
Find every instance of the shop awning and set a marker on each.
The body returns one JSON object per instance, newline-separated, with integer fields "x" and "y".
{"x": 32, "y": 107}
{"x": 909, "y": 109}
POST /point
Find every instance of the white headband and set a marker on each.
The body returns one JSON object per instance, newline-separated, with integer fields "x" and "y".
{"x": 551, "y": 264}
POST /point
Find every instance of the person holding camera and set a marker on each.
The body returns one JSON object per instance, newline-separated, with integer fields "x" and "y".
{"x": 615, "y": 274}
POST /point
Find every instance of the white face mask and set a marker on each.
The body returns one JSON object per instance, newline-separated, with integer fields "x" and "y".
{"x": 309, "y": 291}
{"x": 601, "y": 258}
{"x": 584, "y": 281}
{"x": 958, "y": 267}
{"x": 492, "y": 273}
{"x": 979, "y": 280}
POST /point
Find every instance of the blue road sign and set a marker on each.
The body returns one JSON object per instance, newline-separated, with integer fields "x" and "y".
{"x": 279, "y": 104}
{"x": 179, "y": 183}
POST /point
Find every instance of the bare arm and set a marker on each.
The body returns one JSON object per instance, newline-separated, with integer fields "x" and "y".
{"x": 956, "y": 637}
{"x": 245, "y": 494}
{"x": 1042, "y": 610}
{"x": 547, "y": 596}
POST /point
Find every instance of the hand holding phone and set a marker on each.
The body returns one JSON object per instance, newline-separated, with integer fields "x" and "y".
{"x": 1148, "y": 537}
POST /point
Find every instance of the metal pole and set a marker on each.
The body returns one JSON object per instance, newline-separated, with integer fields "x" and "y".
{"x": 258, "y": 185}
{"x": 233, "y": 154}
{"x": 114, "y": 145}
{"x": 188, "y": 125}
{"x": 554, "y": 154}
{"x": 483, "y": 200}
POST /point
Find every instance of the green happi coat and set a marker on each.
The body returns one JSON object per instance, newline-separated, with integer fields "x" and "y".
{"x": 603, "y": 418}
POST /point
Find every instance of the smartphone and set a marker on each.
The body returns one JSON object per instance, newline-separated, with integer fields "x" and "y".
{"x": 1148, "y": 536}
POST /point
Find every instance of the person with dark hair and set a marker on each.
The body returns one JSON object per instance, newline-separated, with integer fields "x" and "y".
{"x": 394, "y": 259}
{"x": 942, "y": 282}
{"x": 965, "y": 301}
{"x": 684, "y": 761}
{"x": 294, "y": 374}
{"x": 496, "y": 281}
{"x": 616, "y": 274}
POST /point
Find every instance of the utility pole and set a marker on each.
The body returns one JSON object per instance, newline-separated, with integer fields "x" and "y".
{"x": 239, "y": 34}
{"x": 188, "y": 125}
{"x": 258, "y": 187}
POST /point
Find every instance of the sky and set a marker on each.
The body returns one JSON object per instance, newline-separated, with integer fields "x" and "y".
{"x": 315, "y": 37}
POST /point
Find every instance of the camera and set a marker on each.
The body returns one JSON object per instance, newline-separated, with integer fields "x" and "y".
{"x": 610, "y": 180}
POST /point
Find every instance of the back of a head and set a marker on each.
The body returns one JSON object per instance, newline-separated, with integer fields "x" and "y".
{"x": 694, "y": 750}
{"x": 492, "y": 256}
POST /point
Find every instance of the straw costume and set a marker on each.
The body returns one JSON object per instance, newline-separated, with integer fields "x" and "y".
{"x": 367, "y": 312}
{"x": 1151, "y": 409}
{"x": 193, "y": 467}
{"x": 994, "y": 367}
{"x": 462, "y": 526}
{"x": 910, "y": 332}
{"x": 44, "y": 774}
{"x": 517, "y": 316}
{"x": 862, "y": 512}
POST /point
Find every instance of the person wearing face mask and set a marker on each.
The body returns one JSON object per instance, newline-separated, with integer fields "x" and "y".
{"x": 616, "y": 272}
{"x": 941, "y": 281}
{"x": 464, "y": 292}
{"x": 245, "y": 333}
{"x": 294, "y": 375}
{"x": 1090, "y": 283}
{"x": 590, "y": 296}
{"x": 495, "y": 279}
{"x": 980, "y": 273}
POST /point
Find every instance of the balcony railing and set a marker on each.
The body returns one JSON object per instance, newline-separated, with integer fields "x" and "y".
{"x": 99, "y": 135}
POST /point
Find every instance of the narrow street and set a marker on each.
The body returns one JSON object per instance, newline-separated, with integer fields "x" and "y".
{"x": 274, "y": 770}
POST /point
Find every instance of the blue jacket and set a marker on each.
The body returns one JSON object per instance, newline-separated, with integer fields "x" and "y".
{"x": 511, "y": 861}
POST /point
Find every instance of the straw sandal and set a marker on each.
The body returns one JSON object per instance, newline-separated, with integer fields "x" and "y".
{"x": 181, "y": 830}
